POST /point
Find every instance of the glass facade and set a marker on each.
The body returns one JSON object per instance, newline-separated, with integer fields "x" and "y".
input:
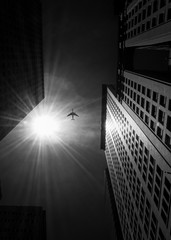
{"x": 139, "y": 176}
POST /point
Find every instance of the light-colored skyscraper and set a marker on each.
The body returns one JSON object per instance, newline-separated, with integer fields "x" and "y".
{"x": 140, "y": 173}
{"x": 136, "y": 126}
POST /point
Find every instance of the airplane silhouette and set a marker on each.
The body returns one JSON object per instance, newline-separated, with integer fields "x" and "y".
{"x": 72, "y": 114}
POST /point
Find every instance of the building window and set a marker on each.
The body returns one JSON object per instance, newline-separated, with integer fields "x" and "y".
{"x": 131, "y": 93}
{"x": 152, "y": 125}
{"x": 141, "y": 144}
{"x": 137, "y": 137}
{"x": 155, "y": 6}
{"x": 162, "y": 100}
{"x": 140, "y": 5}
{"x": 149, "y": 11}
{"x": 141, "y": 114}
{"x": 161, "y": 18}
{"x": 159, "y": 132}
{"x": 168, "y": 141}
{"x": 162, "y": 3}
{"x": 154, "y": 111}
{"x": 143, "y": 27}
{"x": 143, "y": 90}
{"x": 144, "y": 2}
{"x": 146, "y": 119}
{"x": 148, "y": 93}
{"x": 169, "y": 123}
{"x": 134, "y": 106}
{"x": 132, "y": 12}
{"x": 147, "y": 106}
{"x": 146, "y": 151}
{"x": 139, "y": 87}
{"x": 169, "y": 14}
{"x": 154, "y": 22}
{"x": 138, "y": 99}
{"x": 130, "y": 103}
{"x": 148, "y": 25}
{"x": 137, "y": 110}
{"x": 139, "y": 17}
{"x": 161, "y": 117}
{"x": 143, "y": 14}
{"x": 155, "y": 96}
{"x": 142, "y": 102}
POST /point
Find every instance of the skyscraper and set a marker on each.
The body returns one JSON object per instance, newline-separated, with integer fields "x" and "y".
{"x": 136, "y": 124}
{"x": 147, "y": 22}
{"x": 21, "y": 62}
{"x": 22, "y": 222}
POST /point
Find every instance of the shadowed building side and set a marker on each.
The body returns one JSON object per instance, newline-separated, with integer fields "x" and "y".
{"x": 21, "y": 62}
{"x": 22, "y": 222}
{"x": 147, "y": 22}
{"x": 146, "y": 38}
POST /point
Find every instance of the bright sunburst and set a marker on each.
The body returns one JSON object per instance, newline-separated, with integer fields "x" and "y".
{"x": 44, "y": 126}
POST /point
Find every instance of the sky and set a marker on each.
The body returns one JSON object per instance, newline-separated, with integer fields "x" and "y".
{"x": 65, "y": 175}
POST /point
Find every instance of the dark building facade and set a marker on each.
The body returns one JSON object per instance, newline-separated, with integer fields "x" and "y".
{"x": 22, "y": 223}
{"x": 136, "y": 123}
{"x": 21, "y": 61}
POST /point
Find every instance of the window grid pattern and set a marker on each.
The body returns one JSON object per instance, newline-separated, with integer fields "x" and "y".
{"x": 148, "y": 167}
{"x": 151, "y": 107}
{"x": 118, "y": 186}
{"x": 143, "y": 17}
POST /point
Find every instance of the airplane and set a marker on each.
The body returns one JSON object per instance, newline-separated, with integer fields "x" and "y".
{"x": 72, "y": 114}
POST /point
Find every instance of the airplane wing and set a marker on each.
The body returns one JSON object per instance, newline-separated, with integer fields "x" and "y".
{"x": 70, "y": 114}
{"x": 75, "y": 114}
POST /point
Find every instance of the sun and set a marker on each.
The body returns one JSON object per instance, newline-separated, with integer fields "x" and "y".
{"x": 44, "y": 126}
